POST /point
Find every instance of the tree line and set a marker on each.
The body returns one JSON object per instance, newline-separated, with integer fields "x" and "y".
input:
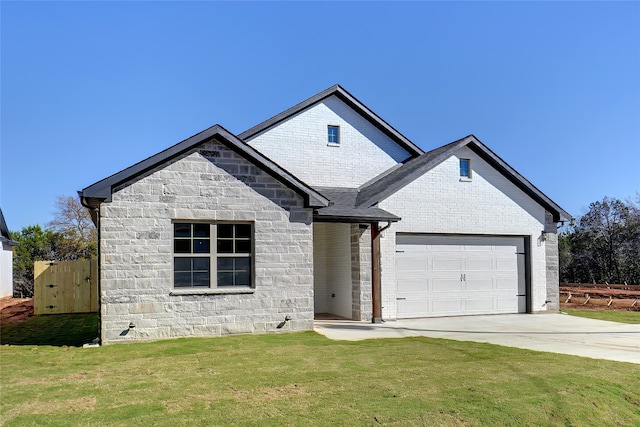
{"x": 71, "y": 235}
{"x": 603, "y": 245}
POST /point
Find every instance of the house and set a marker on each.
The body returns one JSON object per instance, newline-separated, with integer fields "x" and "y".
{"x": 6, "y": 259}
{"x": 324, "y": 208}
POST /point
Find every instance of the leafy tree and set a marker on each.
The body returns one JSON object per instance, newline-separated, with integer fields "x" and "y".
{"x": 34, "y": 245}
{"x": 631, "y": 246}
{"x": 603, "y": 246}
{"x": 565, "y": 256}
{"x": 70, "y": 236}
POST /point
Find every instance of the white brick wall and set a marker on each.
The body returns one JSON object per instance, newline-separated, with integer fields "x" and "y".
{"x": 136, "y": 251}
{"x": 438, "y": 202}
{"x": 300, "y": 146}
{"x": 332, "y": 267}
{"x": 6, "y": 270}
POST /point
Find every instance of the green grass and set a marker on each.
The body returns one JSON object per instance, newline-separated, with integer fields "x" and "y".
{"x": 610, "y": 315}
{"x": 54, "y": 329}
{"x": 302, "y": 379}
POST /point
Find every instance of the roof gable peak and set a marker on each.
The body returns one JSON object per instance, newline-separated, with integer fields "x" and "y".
{"x": 355, "y": 104}
{"x": 389, "y": 183}
{"x": 102, "y": 190}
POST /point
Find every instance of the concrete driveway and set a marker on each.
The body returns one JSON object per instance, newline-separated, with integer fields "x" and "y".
{"x": 556, "y": 333}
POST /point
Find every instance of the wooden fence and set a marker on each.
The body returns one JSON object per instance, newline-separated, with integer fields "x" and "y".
{"x": 613, "y": 296}
{"x": 65, "y": 287}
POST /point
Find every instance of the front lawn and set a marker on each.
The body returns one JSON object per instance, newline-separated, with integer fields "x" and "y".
{"x": 610, "y": 315}
{"x": 52, "y": 329}
{"x": 306, "y": 379}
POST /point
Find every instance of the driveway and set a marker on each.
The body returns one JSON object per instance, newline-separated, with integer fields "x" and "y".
{"x": 556, "y": 333}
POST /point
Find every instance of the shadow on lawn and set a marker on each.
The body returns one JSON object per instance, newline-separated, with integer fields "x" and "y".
{"x": 72, "y": 330}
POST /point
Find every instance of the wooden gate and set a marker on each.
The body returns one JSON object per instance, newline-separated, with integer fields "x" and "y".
{"x": 65, "y": 287}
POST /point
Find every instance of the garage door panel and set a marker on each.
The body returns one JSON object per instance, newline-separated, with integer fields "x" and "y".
{"x": 412, "y": 263}
{"x": 414, "y": 249}
{"x": 480, "y": 264}
{"x": 459, "y": 275}
{"x": 506, "y": 305}
{"x": 444, "y": 306}
{"x": 506, "y": 283}
{"x": 507, "y": 264}
{"x": 412, "y": 285}
{"x": 446, "y": 264}
{"x": 478, "y": 305}
{"x": 413, "y": 308}
{"x": 478, "y": 284}
{"x": 446, "y": 285}
{"x": 477, "y": 248}
{"x": 415, "y": 275}
{"x": 413, "y": 296}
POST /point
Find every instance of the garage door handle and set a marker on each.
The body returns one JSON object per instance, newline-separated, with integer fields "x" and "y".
{"x": 400, "y": 299}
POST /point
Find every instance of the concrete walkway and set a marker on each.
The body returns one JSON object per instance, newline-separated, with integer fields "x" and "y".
{"x": 556, "y": 333}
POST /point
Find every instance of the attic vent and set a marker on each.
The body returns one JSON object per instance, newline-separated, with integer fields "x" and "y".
{"x": 210, "y": 153}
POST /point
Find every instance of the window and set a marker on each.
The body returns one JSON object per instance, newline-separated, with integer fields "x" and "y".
{"x": 333, "y": 134}
{"x": 465, "y": 168}
{"x": 212, "y": 255}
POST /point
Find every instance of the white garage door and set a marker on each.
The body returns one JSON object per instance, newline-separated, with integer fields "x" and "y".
{"x": 459, "y": 275}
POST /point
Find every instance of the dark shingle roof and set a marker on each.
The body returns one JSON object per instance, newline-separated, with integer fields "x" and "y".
{"x": 397, "y": 177}
{"x": 5, "y": 236}
{"x": 96, "y": 193}
{"x": 351, "y": 101}
{"x": 342, "y": 208}
{"x": 385, "y": 185}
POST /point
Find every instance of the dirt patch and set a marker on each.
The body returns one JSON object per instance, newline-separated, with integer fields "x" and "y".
{"x": 600, "y": 297}
{"x": 15, "y": 310}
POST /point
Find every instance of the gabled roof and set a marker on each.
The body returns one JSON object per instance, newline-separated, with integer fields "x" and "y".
{"x": 5, "y": 236}
{"x": 101, "y": 191}
{"x": 351, "y": 101}
{"x": 398, "y": 177}
{"x": 342, "y": 208}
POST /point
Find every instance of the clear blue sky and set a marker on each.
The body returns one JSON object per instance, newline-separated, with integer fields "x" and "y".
{"x": 89, "y": 88}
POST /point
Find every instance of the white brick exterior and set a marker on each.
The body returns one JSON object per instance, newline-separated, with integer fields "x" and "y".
{"x": 439, "y": 202}
{"x": 6, "y": 270}
{"x": 299, "y": 144}
{"x": 332, "y": 269}
{"x": 136, "y": 255}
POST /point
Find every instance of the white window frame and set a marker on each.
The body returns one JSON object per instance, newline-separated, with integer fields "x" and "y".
{"x": 330, "y": 143}
{"x": 469, "y": 176}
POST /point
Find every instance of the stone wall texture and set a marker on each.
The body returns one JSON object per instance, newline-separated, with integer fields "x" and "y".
{"x": 361, "y": 271}
{"x": 210, "y": 183}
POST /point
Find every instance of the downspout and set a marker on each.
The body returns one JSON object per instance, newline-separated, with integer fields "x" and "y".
{"x": 95, "y": 216}
{"x": 376, "y": 277}
{"x": 98, "y": 275}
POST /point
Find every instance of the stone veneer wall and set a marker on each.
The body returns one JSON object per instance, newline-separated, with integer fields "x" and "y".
{"x": 552, "y": 255}
{"x": 211, "y": 183}
{"x": 361, "y": 272}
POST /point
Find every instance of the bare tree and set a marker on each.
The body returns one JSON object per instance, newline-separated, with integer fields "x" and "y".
{"x": 72, "y": 221}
